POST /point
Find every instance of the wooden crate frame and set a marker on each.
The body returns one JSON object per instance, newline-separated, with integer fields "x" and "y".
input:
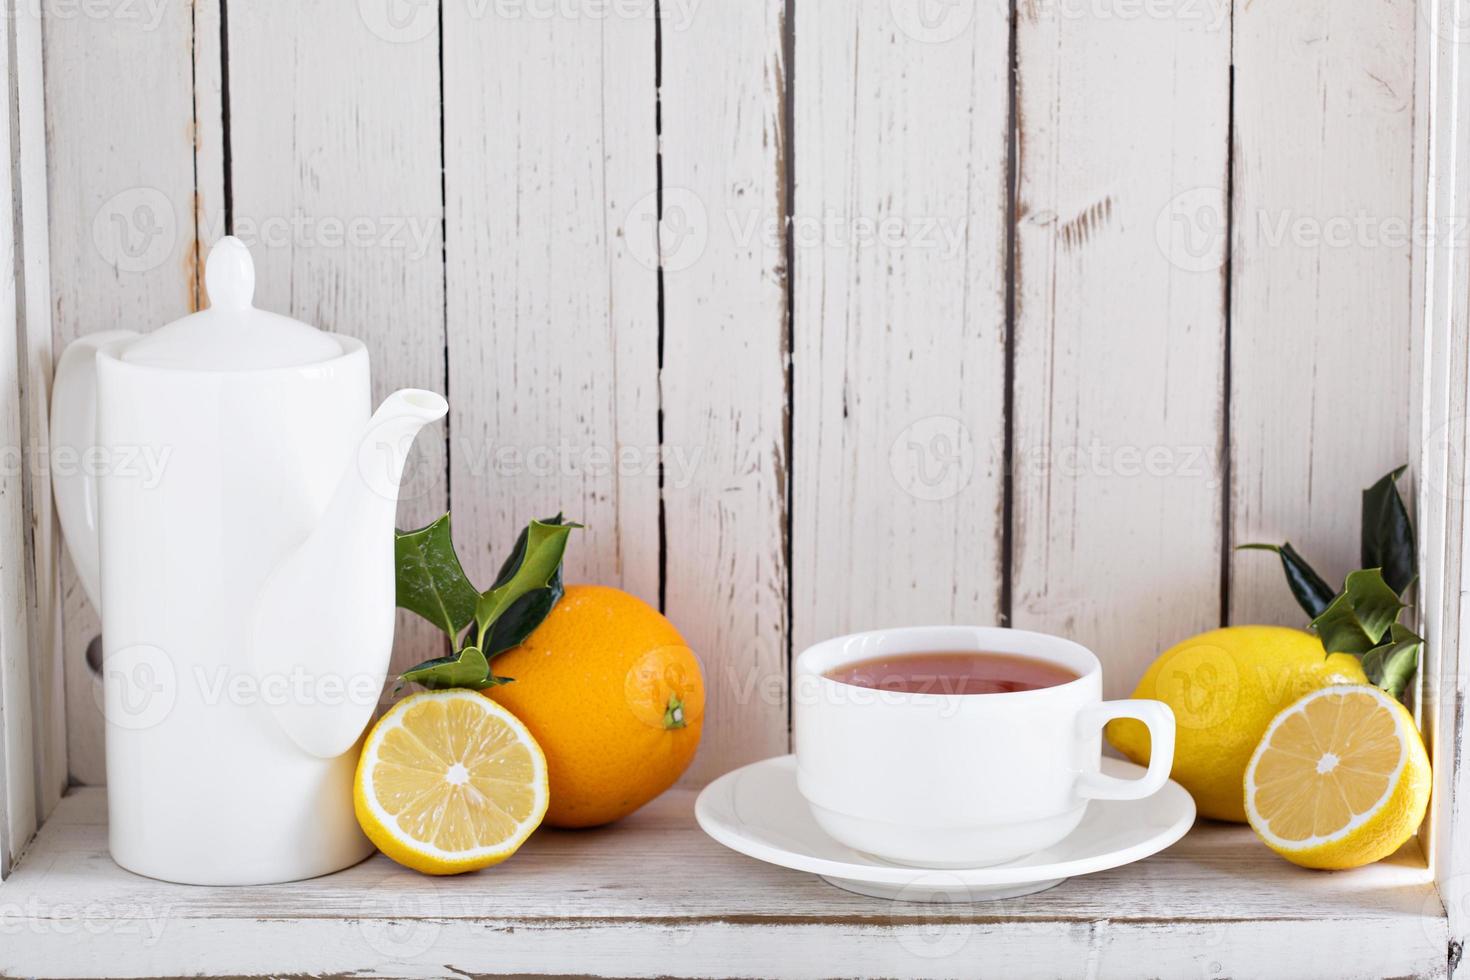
{"x": 32, "y": 732}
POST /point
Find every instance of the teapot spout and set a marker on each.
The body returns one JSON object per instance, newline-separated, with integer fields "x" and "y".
{"x": 322, "y": 631}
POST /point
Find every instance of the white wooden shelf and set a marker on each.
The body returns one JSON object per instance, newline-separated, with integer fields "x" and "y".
{"x": 654, "y": 896}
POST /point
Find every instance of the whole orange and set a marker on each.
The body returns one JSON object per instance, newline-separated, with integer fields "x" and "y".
{"x": 614, "y": 697}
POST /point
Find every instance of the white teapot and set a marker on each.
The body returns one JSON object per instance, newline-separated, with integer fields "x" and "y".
{"x": 229, "y": 507}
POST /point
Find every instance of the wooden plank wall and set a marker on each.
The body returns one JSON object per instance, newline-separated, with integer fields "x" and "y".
{"x": 32, "y": 714}
{"x": 822, "y": 314}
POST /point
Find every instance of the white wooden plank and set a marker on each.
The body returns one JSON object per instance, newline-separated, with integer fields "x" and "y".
{"x": 121, "y": 199}
{"x": 901, "y": 140}
{"x": 1443, "y": 318}
{"x": 1121, "y": 131}
{"x": 1216, "y": 904}
{"x": 48, "y": 694}
{"x": 724, "y": 366}
{"x": 1322, "y": 384}
{"x": 550, "y": 154}
{"x": 335, "y": 173}
{"x": 17, "y": 740}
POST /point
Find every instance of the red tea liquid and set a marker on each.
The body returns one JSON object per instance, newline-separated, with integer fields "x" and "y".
{"x": 953, "y": 672}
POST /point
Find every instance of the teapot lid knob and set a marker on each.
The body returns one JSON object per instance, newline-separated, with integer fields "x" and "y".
{"x": 229, "y": 275}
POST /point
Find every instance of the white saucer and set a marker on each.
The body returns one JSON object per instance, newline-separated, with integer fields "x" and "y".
{"x": 757, "y": 811}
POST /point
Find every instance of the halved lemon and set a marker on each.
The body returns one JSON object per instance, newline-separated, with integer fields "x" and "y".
{"x": 1339, "y": 780}
{"x": 449, "y": 781}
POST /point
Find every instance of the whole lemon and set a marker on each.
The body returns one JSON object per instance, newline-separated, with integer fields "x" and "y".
{"x": 614, "y": 697}
{"x": 1225, "y": 686}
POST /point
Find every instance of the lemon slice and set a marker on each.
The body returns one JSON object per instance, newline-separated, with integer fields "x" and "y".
{"x": 449, "y": 781}
{"x": 1339, "y": 780}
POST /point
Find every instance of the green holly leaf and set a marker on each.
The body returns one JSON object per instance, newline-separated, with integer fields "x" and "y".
{"x": 1391, "y": 665}
{"x": 431, "y": 581}
{"x": 468, "y": 668}
{"x": 534, "y": 566}
{"x": 1358, "y": 618}
{"x": 1387, "y": 535}
{"x": 521, "y": 617}
{"x": 1310, "y": 589}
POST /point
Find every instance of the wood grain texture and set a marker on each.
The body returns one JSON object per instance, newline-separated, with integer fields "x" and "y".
{"x": 724, "y": 366}
{"x": 900, "y": 287}
{"x": 121, "y": 199}
{"x": 1442, "y": 313}
{"x": 1120, "y": 322}
{"x": 336, "y": 179}
{"x": 1323, "y": 386}
{"x": 1216, "y": 904}
{"x": 549, "y": 154}
{"x": 34, "y": 340}
{"x": 18, "y": 790}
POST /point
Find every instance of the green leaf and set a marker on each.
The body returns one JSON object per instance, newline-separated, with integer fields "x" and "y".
{"x": 431, "y": 581}
{"x": 534, "y": 564}
{"x": 468, "y": 668}
{"x": 521, "y": 617}
{"x": 1388, "y": 537}
{"x": 1392, "y": 664}
{"x": 1310, "y": 589}
{"x": 1357, "y": 619}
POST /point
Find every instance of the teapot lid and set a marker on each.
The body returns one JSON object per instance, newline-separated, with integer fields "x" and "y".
{"x": 232, "y": 335}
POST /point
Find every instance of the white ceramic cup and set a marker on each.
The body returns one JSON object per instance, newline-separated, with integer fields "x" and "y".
{"x": 960, "y": 780}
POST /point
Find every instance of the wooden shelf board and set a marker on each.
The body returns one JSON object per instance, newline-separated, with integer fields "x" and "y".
{"x": 654, "y": 896}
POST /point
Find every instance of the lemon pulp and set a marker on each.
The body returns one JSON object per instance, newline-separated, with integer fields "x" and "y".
{"x": 449, "y": 781}
{"x": 1340, "y": 778}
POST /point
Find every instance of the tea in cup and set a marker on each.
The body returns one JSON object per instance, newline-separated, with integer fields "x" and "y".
{"x": 959, "y": 746}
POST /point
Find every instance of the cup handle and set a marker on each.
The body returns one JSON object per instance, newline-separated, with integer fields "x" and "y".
{"x": 1160, "y": 721}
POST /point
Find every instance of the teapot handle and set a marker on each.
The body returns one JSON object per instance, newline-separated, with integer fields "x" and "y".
{"x": 73, "y": 439}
